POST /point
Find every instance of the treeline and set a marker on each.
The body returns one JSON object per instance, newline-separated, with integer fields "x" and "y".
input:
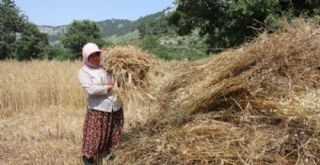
{"x": 228, "y": 23}
{"x": 211, "y": 26}
{"x": 19, "y": 38}
{"x": 22, "y": 40}
{"x": 194, "y": 30}
{"x": 154, "y": 24}
{"x": 115, "y": 26}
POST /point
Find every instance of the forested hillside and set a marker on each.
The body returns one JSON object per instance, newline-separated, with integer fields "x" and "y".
{"x": 113, "y": 27}
{"x": 190, "y": 30}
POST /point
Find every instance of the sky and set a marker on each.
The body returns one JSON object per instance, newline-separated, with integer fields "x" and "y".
{"x": 63, "y": 12}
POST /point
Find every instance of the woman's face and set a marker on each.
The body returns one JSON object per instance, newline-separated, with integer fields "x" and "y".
{"x": 94, "y": 58}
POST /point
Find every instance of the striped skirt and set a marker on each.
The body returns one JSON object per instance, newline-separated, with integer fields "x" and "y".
{"x": 102, "y": 132}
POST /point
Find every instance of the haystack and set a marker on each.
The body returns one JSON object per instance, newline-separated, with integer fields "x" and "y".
{"x": 248, "y": 101}
{"x": 251, "y": 77}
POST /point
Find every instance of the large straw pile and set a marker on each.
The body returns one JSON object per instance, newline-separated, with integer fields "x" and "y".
{"x": 253, "y": 76}
{"x": 248, "y": 96}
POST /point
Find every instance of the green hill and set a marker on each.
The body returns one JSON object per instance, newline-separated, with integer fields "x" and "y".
{"x": 110, "y": 27}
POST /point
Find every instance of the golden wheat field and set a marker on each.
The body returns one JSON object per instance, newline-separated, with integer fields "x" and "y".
{"x": 257, "y": 104}
{"x": 42, "y": 108}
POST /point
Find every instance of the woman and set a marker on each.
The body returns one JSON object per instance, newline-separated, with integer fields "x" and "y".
{"x": 103, "y": 123}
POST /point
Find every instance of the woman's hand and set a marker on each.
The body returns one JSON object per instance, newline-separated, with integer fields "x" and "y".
{"x": 109, "y": 87}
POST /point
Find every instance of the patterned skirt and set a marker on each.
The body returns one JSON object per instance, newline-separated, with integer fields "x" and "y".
{"x": 102, "y": 132}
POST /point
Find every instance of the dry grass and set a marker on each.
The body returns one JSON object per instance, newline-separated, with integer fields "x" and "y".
{"x": 270, "y": 67}
{"x": 131, "y": 70}
{"x": 41, "y": 112}
{"x": 38, "y": 84}
{"x": 227, "y": 137}
{"x": 258, "y": 104}
{"x": 247, "y": 98}
{"x": 129, "y": 67}
{"x": 42, "y": 108}
{"x": 50, "y": 135}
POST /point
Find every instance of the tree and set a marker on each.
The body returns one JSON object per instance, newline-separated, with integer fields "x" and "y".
{"x": 11, "y": 23}
{"x": 149, "y": 42}
{"x": 155, "y": 27}
{"x": 19, "y": 38}
{"x": 32, "y": 43}
{"x": 79, "y": 33}
{"x": 57, "y": 52}
{"x": 142, "y": 30}
{"x": 228, "y": 23}
{"x": 298, "y": 7}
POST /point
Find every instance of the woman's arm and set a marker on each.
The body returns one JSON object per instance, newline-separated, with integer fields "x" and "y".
{"x": 92, "y": 89}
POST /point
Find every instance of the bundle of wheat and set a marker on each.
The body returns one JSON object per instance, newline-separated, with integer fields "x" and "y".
{"x": 133, "y": 79}
{"x": 129, "y": 67}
